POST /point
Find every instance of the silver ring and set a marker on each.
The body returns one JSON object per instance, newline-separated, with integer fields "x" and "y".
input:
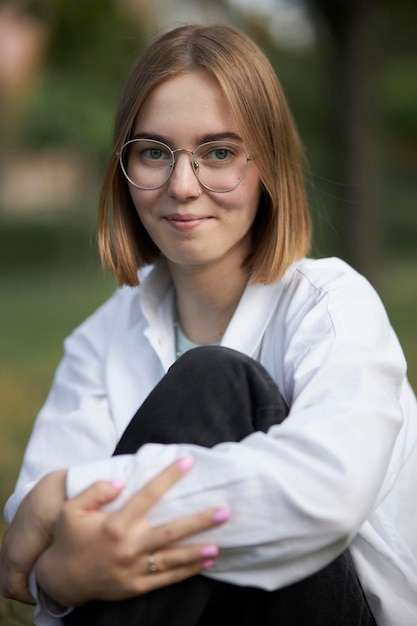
{"x": 151, "y": 564}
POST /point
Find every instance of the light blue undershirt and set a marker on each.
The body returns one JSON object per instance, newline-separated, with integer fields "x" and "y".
{"x": 182, "y": 343}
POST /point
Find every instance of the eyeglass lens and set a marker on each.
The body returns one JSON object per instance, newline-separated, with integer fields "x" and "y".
{"x": 219, "y": 165}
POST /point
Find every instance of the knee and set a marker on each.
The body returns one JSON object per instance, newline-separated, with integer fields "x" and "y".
{"x": 223, "y": 366}
{"x": 211, "y": 357}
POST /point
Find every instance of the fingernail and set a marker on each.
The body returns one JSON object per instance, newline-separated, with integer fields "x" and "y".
{"x": 221, "y": 515}
{"x": 117, "y": 484}
{"x": 209, "y": 550}
{"x": 208, "y": 564}
{"x": 185, "y": 463}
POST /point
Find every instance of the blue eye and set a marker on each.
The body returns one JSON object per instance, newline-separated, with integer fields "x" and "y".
{"x": 153, "y": 153}
{"x": 221, "y": 153}
{"x": 150, "y": 154}
{"x": 218, "y": 155}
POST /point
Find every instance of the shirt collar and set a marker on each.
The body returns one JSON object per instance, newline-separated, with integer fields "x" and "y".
{"x": 253, "y": 313}
{"x": 244, "y": 332}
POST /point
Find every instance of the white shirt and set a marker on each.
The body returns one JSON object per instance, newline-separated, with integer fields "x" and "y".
{"x": 341, "y": 470}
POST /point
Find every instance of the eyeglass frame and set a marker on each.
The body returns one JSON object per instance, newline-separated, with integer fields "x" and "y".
{"x": 173, "y": 162}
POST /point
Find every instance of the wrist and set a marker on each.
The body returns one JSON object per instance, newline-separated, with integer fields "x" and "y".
{"x": 51, "y": 606}
{"x": 57, "y": 582}
{"x": 46, "y": 501}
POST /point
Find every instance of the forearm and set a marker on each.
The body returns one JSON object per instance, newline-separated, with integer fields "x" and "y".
{"x": 30, "y": 533}
{"x": 96, "y": 554}
{"x": 256, "y": 546}
{"x": 283, "y": 490}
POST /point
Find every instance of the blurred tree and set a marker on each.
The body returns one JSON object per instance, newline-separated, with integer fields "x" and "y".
{"x": 91, "y": 47}
{"x": 354, "y": 62}
{"x": 371, "y": 59}
{"x": 398, "y": 83}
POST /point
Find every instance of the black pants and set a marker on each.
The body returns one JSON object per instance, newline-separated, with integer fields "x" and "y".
{"x": 208, "y": 396}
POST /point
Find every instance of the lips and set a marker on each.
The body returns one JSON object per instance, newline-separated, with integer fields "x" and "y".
{"x": 187, "y": 217}
{"x": 184, "y": 222}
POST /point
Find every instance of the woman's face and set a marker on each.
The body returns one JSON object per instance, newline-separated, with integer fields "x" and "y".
{"x": 191, "y": 225}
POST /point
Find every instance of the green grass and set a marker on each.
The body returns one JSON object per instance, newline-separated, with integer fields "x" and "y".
{"x": 39, "y": 308}
{"x": 398, "y": 290}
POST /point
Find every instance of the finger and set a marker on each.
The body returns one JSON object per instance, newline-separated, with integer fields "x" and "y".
{"x": 181, "y": 556}
{"x": 144, "y": 583}
{"x": 153, "y": 491}
{"x": 95, "y": 496}
{"x": 150, "y": 582}
{"x": 183, "y": 527}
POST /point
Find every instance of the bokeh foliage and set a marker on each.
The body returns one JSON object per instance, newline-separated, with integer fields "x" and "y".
{"x": 90, "y": 48}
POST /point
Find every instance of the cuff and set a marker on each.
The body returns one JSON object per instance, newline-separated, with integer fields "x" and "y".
{"x": 51, "y": 606}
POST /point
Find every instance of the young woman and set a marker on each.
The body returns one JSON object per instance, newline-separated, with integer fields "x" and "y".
{"x": 204, "y": 222}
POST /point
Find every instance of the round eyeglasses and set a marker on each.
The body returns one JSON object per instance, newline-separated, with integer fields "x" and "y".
{"x": 219, "y": 166}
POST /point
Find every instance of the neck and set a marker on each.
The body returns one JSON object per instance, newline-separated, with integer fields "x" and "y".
{"x": 206, "y": 301}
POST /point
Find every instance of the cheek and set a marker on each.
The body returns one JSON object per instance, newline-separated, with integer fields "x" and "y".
{"x": 251, "y": 191}
{"x": 142, "y": 201}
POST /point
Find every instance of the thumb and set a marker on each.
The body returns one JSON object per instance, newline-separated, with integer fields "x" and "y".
{"x": 99, "y": 493}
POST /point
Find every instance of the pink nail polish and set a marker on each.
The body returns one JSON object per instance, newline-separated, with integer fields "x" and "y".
{"x": 221, "y": 515}
{"x": 185, "y": 463}
{"x": 117, "y": 484}
{"x": 208, "y": 564}
{"x": 209, "y": 551}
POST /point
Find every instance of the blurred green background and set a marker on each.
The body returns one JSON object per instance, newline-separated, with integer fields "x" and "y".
{"x": 349, "y": 71}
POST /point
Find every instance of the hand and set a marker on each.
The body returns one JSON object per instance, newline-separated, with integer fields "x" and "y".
{"x": 29, "y": 534}
{"x": 100, "y": 555}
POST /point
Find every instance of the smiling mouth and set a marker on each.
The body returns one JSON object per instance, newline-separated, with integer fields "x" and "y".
{"x": 185, "y": 222}
{"x": 183, "y": 217}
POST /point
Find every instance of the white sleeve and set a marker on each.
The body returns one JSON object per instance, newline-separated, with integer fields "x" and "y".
{"x": 299, "y": 493}
{"x": 75, "y": 422}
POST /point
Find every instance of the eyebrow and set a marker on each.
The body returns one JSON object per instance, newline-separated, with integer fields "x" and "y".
{"x": 219, "y": 137}
{"x": 228, "y": 135}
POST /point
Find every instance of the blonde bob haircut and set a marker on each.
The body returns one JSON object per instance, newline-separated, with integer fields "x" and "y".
{"x": 282, "y": 228}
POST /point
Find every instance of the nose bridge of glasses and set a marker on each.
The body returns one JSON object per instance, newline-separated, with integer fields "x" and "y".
{"x": 191, "y": 152}
{"x": 194, "y": 164}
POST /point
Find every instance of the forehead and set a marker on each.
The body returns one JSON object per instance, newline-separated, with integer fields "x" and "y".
{"x": 188, "y": 104}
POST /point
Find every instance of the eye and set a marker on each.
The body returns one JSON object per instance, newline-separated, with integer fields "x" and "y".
{"x": 148, "y": 153}
{"x": 153, "y": 154}
{"x": 215, "y": 154}
{"x": 219, "y": 154}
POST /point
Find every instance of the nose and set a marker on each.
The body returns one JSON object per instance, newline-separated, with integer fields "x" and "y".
{"x": 183, "y": 183}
